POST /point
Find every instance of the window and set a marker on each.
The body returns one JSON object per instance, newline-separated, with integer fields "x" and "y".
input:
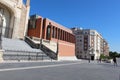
{"x": 53, "y": 32}
{"x": 77, "y": 40}
{"x": 78, "y": 52}
{"x": 80, "y": 56}
{"x": 80, "y": 36}
{"x": 80, "y": 40}
{"x": 1, "y": 11}
{"x": 86, "y": 32}
{"x": 58, "y": 33}
{"x": 92, "y": 33}
{"x": 81, "y": 52}
{"x": 32, "y": 22}
{"x": 77, "y": 36}
{"x": 78, "y": 32}
{"x": 48, "y": 32}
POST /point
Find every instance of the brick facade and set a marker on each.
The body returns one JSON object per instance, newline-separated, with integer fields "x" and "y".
{"x": 52, "y": 31}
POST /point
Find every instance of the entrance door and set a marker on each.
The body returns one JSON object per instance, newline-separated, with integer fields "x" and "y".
{"x": 6, "y": 17}
{"x": 92, "y": 57}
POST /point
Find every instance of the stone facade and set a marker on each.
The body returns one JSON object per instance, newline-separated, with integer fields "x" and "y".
{"x": 15, "y": 18}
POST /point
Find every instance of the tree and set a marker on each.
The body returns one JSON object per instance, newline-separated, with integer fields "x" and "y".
{"x": 114, "y": 54}
{"x": 104, "y": 57}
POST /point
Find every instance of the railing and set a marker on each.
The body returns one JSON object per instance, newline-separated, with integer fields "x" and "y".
{"x": 50, "y": 44}
{"x": 45, "y": 49}
{"x": 48, "y": 52}
{"x": 31, "y": 43}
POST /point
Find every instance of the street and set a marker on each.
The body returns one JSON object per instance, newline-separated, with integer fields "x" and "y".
{"x": 59, "y": 70}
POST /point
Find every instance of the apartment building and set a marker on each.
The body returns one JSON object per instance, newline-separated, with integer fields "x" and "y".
{"x": 89, "y": 44}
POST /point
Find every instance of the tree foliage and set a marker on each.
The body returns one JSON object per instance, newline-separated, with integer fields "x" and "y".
{"x": 104, "y": 57}
{"x": 114, "y": 54}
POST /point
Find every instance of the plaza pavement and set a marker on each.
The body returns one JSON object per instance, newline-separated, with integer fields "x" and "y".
{"x": 59, "y": 70}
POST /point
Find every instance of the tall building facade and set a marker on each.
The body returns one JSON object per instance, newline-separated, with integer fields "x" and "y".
{"x": 53, "y": 33}
{"x": 14, "y": 15}
{"x": 89, "y": 44}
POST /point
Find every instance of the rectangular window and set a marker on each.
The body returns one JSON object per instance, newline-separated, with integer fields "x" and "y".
{"x": 32, "y": 22}
{"x": 48, "y": 32}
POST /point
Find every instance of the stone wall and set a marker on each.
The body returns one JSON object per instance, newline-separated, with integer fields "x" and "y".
{"x": 19, "y": 13}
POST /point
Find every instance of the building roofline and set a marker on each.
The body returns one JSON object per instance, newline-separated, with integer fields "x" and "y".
{"x": 59, "y": 24}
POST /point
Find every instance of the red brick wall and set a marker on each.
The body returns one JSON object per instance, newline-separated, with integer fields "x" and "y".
{"x": 66, "y": 49}
{"x": 36, "y": 32}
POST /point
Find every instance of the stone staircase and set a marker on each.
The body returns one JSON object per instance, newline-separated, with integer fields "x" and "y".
{"x": 19, "y": 50}
{"x": 48, "y": 47}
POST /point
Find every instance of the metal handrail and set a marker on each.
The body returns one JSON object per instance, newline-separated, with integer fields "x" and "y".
{"x": 49, "y": 52}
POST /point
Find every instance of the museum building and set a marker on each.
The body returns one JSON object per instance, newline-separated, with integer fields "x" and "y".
{"x": 54, "y": 36}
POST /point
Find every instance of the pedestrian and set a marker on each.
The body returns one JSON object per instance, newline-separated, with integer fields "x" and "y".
{"x": 115, "y": 61}
{"x": 89, "y": 60}
{"x": 100, "y": 60}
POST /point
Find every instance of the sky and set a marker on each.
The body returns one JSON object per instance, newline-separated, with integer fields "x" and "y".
{"x": 100, "y": 15}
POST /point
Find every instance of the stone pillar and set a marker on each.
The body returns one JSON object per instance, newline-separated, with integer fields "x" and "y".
{"x": 27, "y": 16}
{"x": 51, "y": 30}
{"x": 56, "y": 33}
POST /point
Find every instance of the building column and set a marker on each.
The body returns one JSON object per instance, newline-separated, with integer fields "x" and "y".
{"x": 68, "y": 37}
{"x": 65, "y": 36}
{"x": 41, "y": 31}
{"x": 51, "y": 30}
{"x": 56, "y": 33}
{"x": 62, "y": 35}
{"x": 44, "y": 29}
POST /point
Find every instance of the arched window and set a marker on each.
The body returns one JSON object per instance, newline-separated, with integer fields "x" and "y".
{"x": 61, "y": 35}
{"x": 53, "y": 32}
{"x": 48, "y": 32}
{"x": 58, "y": 33}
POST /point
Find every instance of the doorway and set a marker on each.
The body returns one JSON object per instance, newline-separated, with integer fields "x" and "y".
{"x": 92, "y": 57}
